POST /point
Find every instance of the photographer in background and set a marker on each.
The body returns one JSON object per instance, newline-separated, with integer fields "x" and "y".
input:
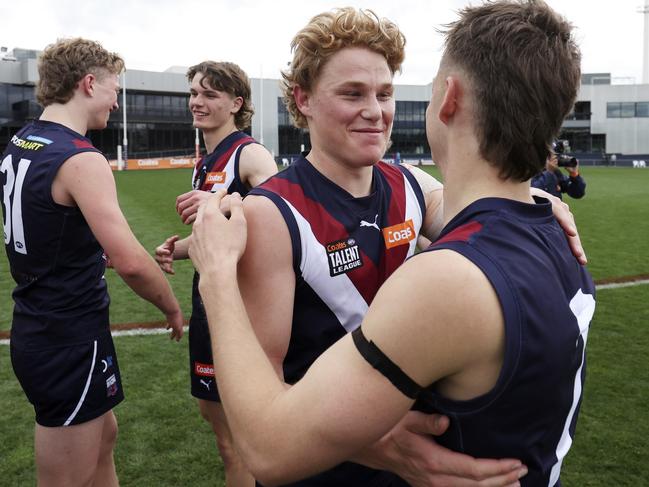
{"x": 554, "y": 181}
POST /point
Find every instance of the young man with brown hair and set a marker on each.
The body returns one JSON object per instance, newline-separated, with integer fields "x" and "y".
{"x": 62, "y": 221}
{"x": 457, "y": 329}
{"x": 221, "y": 104}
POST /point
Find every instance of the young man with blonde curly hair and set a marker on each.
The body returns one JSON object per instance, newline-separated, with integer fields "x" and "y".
{"x": 62, "y": 222}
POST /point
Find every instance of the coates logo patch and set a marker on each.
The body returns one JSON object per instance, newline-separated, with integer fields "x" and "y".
{"x": 399, "y": 234}
{"x": 343, "y": 256}
{"x": 205, "y": 370}
{"x": 215, "y": 178}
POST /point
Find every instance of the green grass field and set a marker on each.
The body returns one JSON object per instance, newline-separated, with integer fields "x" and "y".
{"x": 163, "y": 441}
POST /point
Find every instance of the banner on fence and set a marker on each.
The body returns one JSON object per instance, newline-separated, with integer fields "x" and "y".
{"x": 156, "y": 163}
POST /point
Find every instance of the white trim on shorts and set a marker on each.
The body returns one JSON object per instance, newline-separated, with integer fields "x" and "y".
{"x": 85, "y": 390}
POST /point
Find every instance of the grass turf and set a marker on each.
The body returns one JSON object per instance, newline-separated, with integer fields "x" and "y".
{"x": 164, "y": 442}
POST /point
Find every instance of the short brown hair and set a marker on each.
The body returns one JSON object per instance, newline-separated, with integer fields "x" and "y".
{"x": 63, "y": 64}
{"x": 231, "y": 79}
{"x": 328, "y": 33}
{"x": 524, "y": 68}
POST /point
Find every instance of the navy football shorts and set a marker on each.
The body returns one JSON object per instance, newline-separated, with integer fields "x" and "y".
{"x": 71, "y": 384}
{"x": 201, "y": 368}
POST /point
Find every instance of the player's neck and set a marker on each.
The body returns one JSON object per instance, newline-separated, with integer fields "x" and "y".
{"x": 356, "y": 180}
{"x": 213, "y": 137}
{"x": 67, "y": 115}
{"x": 472, "y": 178}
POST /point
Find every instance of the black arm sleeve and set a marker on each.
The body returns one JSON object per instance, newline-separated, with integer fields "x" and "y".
{"x": 377, "y": 359}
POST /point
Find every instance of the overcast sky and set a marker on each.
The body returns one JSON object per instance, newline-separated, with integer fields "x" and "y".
{"x": 156, "y": 34}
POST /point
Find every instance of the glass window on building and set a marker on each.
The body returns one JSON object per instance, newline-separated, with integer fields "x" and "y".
{"x": 613, "y": 110}
{"x": 642, "y": 109}
{"x": 627, "y": 110}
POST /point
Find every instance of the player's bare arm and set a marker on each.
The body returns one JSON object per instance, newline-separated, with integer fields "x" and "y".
{"x": 85, "y": 180}
{"x": 267, "y": 279}
{"x": 256, "y": 165}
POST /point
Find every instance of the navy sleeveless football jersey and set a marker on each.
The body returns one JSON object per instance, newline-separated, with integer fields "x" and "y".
{"x": 548, "y": 300}
{"x": 58, "y": 265}
{"x": 217, "y": 170}
{"x": 343, "y": 249}
{"x": 220, "y": 168}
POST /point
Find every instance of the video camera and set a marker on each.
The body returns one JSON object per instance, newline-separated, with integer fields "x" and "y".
{"x": 561, "y": 148}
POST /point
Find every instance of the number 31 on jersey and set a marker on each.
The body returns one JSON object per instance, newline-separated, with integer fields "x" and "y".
{"x": 13, "y": 217}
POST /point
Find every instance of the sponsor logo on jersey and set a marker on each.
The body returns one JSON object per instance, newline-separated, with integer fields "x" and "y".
{"x": 215, "y": 177}
{"x": 205, "y": 370}
{"x": 343, "y": 256}
{"x": 36, "y": 138}
{"x": 111, "y": 386}
{"x": 27, "y": 144}
{"x": 399, "y": 234}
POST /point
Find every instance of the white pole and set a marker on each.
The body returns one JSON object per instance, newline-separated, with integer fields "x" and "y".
{"x": 120, "y": 161}
{"x": 124, "y": 137}
{"x": 261, "y": 105}
{"x": 197, "y": 147}
{"x": 645, "y": 48}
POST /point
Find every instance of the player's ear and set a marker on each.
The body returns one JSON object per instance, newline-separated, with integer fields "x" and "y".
{"x": 302, "y": 100}
{"x": 449, "y": 104}
{"x": 237, "y": 103}
{"x": 87, "y": 84}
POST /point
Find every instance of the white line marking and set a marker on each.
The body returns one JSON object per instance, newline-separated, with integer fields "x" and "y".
{"x": 162, "y": 331}
{"x": 615, "y": 285}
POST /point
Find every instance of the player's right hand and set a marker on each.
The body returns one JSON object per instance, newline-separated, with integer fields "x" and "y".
{"x": 187, "y": 204}
{"x": 164, "y": 254}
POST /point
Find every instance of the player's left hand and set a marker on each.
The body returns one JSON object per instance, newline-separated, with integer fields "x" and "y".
{"x": 187, "y": 204}
{"x": 566, "y": 219}
{"x": 218, "y": 242}
{"x": 409, "y": 451}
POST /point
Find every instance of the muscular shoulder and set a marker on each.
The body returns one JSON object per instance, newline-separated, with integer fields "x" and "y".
{"x": 256, "y": 164}
{"x": 436, "y": 315}
{"x": 80, "y": 172}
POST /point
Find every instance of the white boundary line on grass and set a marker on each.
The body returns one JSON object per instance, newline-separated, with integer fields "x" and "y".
{"x": 162, "y": 331}
{"x": 133, "y": 332}
{"x": 615, "y": 285}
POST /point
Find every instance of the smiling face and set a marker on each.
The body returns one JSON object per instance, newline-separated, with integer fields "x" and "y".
{"x": 350, "y": 109}
{"x": 211, "y": 109}
{"x": 105, "y": 94}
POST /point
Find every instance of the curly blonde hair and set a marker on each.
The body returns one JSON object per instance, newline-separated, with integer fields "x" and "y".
{"x": 63, "y": 64}
{"x": 328, "y": 33}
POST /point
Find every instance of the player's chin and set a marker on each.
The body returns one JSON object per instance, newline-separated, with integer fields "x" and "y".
{"x": 99, "y": 125}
